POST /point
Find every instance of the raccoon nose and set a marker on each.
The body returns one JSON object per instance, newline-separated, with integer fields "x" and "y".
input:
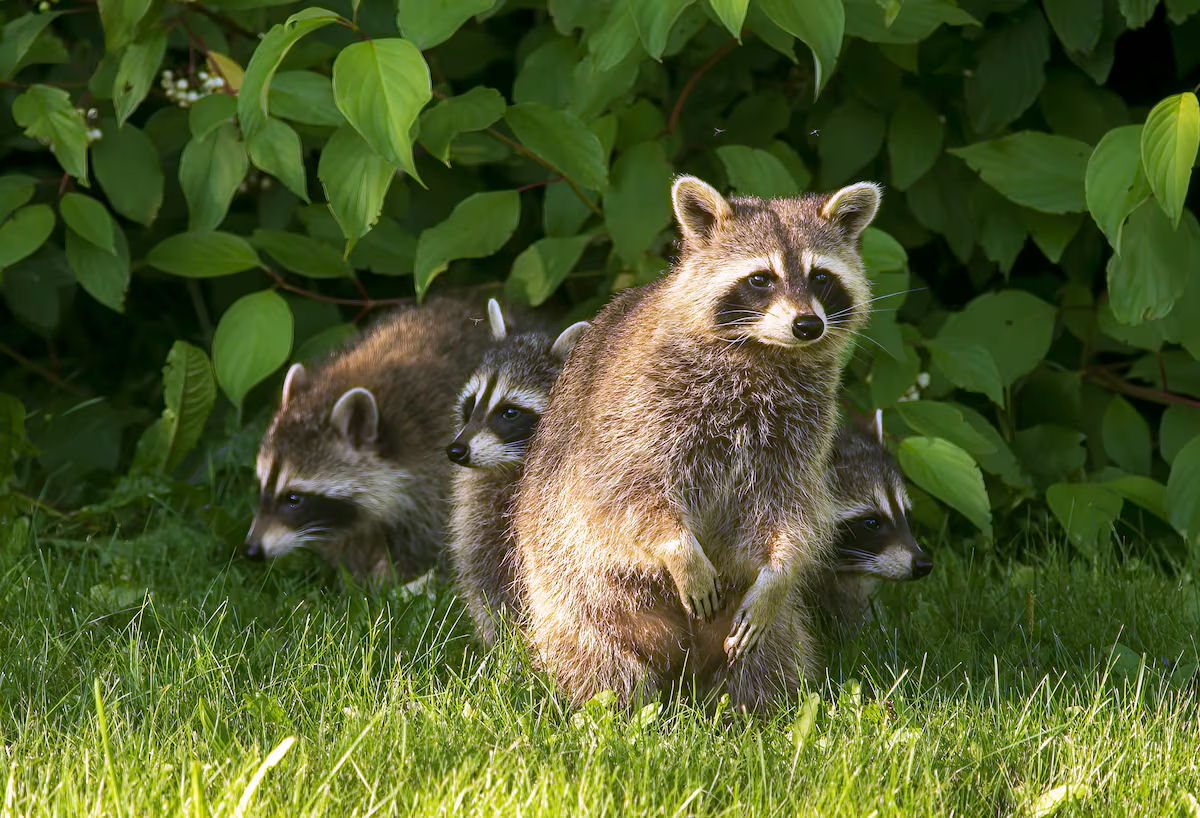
{"x": 458, "y": 452}
{"x": 921, "y": 566}
{"x": 253, "y": 550}
{"x": 808, "y": 327}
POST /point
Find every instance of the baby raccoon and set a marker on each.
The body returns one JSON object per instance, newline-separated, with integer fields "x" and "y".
{"x": 497, "y": 411}
{"x": 675, "y": 488}
{"x": 872, "y": 538}
{"x": 352, "y": 463}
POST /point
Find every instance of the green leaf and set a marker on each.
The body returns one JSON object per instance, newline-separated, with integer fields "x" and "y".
{"x": 1038, "y": 170}
{"x": 104, "y": 275}
{"x": 1076, "y": 22}
{"x": 18, "y": 37}
{"x": 610, "y": 44}
{"x": 276, "y": 149}
{"x": 949, "y": 474}
{"x": 48, "y": 115}
{"x": 253, "y": 339}
{"x": 136, "y": 72}
{"x": 756, "y": 172}
{"x": 1142, "y": 491}
{"x": 732, "y": 14}
{"x": 860, "y": 131}
{"x": 881, "y": 253}
{"x": 934, "y": 419}
{"x": 203, "y": 254}
{"x": 431, "y": 22}
{"x": 1051, "y": 232}
{"x": 302, "y": 255}
{"x": 1014, "y": 326}
{"x": 1002, "y": 462}
{"x": 968, "y": 366}
{"x": 914, "y": 140}
{"x": 478, "y": 226}
{"x": 275, "y": 44}
{"x": 380, "y": 86}
{"x": 867, "y": 20}
{"x": 819, "y": 24}
{"x": 1049, "y": 452}
{"x": 188, "y": 392}
{"x": 1170, "y": 139}
{"x": 89, "y": 219}
{"x": 129, "y": 171}
{"x": 542, "y": 266}
{"x": 654, "y": 22}
{"x": 1126, "y": 436}
{"x": 24, "y": 232}
{"x": 209, "y": 113}
{"x": 210, "y": 170}
{"x": 561, "y": 139}
{"x": 16, "y": 189}
{"x": 637, "y": 204}
{"x": 1183, "y": 500}
{"x": 1086, "y": 511}
{"x": 1115, "y": 184}
{"x": 1010, "y": 73}
{"x": 305, "y": 97}
{"x": 473, "y": 111}
{"x": 1137, "y": 12}
{"x": 1179, "y": 424}
{"x": 1147, "y": 274}
{"x": 355, "y": 180}
{"x": 120, "y": 19}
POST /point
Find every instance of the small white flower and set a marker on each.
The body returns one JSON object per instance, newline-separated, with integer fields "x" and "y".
{"x": 923, "y": 380}
{"x": 192, "y": 96}
{"x": 92, "y": 113}
{"x": 181, "y": 84}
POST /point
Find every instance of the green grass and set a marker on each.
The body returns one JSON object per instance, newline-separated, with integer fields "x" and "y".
{"x": 154, "y": 674}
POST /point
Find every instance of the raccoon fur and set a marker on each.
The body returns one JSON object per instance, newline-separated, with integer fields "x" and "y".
{"x": 675, "y": 489}
{"x": 497, "y": 411}
{"x": 352, "y": 464}
{"x": 873, "y": 540}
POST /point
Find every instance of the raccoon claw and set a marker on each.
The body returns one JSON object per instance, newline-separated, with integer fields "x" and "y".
{"x": 742, "y": 638}
{"x": 704, "y": 607}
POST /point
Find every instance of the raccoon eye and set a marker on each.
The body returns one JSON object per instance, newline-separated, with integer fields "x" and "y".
{"x": 294, "y": 500}
{"x": 468, "y": 405}
{"x": 510, "y": 413}
{"x": 761, "y": 281}
{"x": 820, "y": 278}
{"x": 870, "y": 523}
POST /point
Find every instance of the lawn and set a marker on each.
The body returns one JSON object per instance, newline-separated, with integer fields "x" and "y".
{"x": 154, "y": 672}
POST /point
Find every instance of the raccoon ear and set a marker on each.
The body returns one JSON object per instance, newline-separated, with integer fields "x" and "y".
{"x": 496, "y": 319}
{"x": 356, "y": 417}
{"x": 566, "y": 339}
{"x": 699, "y": 208}
{"x": 295, "y": 380}
{"x": 853, "y": 207}
{"x": 879, "y": 425}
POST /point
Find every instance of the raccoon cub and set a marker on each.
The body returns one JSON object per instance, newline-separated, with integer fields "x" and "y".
{"x": 497, "y": 411}
{"x": 352, "y": 464}
{"x": 675, "y": 489}
{"x": 872, "y": 538}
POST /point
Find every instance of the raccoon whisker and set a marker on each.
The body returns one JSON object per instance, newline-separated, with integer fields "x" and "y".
{"x": 862, "y": 335}
{"x": 893, "y": 295}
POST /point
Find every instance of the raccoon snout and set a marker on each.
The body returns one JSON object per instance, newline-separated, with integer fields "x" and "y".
{"x": 921, "y": 566}
{"x": 253, "y": 550}
{"x": 459, "y": 452}
{"x": 808, "y": 327}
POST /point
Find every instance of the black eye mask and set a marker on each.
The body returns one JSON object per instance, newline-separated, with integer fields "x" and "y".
{"x": 300, "y": 510}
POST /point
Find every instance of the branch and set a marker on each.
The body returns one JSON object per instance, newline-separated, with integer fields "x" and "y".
{"x": 222, "y": 19}
{"x": 1146, "y": 393}
{"x": 673, "y": 121}
{"x": 43, "y": 371}
{"x": 366, "y": 303}
{"x": 519, "y": 148}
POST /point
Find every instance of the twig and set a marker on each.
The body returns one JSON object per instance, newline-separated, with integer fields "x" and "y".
{"x": 519, "y": 148}
{"x": 1162, "y": 369}
{"x": 43, "y": 371}
{"x": 222, "y": 19}
{"x": 367, "y": 303}
{"x": 673, "y": 121}
{"x": 543, "y": 183}
{"x": 1146, "y": 393}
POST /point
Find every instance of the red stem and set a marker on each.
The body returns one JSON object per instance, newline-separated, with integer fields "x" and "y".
{"x": 1146, "y": 393}
{"x": 366, "y": 302}
{"x": 673, "y": 121}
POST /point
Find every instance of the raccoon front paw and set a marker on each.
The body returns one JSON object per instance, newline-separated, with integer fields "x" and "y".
{"x": 743, "y": 636}
{"x": 698, "y": 590}
{"x": 753, "y": 616}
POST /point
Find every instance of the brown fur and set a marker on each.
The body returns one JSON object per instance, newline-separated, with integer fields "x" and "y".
{"x": 678, "y": 458}
{"x": 393, "y": 475}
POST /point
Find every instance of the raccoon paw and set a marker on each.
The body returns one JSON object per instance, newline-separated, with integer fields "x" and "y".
{"x": 743, "y": 636}
{"x": 699, "y": 592}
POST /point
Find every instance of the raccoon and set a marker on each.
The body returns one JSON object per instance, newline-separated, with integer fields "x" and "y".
{"x": 352, "y": 465}
{"x": 496, "y": 413}
{"x": 873, "y": 540}
{"x": 674, "y": 490}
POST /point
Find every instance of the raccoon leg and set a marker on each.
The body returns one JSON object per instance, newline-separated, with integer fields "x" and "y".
{"x": 759, "y": 608}
{"x": 786, "y": 654}
{"x": 693, "y": 574}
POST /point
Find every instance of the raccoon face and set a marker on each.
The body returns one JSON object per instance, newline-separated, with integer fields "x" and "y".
{"x": 780, "y": 272}
{"x": 497, "y": 416}
{"x": 320, "y": 478}
{"x": 873, "y": 538}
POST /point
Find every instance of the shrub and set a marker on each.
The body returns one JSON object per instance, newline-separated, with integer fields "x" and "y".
{"x": 239, "y": 183}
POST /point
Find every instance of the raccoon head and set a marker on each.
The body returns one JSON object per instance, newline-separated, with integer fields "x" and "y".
{"x": 320, "y": 472}
{"x": 780, "y": 272}
{"x": 501, "y": 403}
{"x": 873, "y": 536}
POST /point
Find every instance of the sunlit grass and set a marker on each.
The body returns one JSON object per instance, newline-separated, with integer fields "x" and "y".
{"x": 156, "y": 674}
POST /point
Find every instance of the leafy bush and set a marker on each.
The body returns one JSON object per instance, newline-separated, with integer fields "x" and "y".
{"x": 243, "y": 181}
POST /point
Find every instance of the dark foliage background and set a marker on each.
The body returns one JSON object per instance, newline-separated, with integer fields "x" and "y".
{"x": 228, "y": 186}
